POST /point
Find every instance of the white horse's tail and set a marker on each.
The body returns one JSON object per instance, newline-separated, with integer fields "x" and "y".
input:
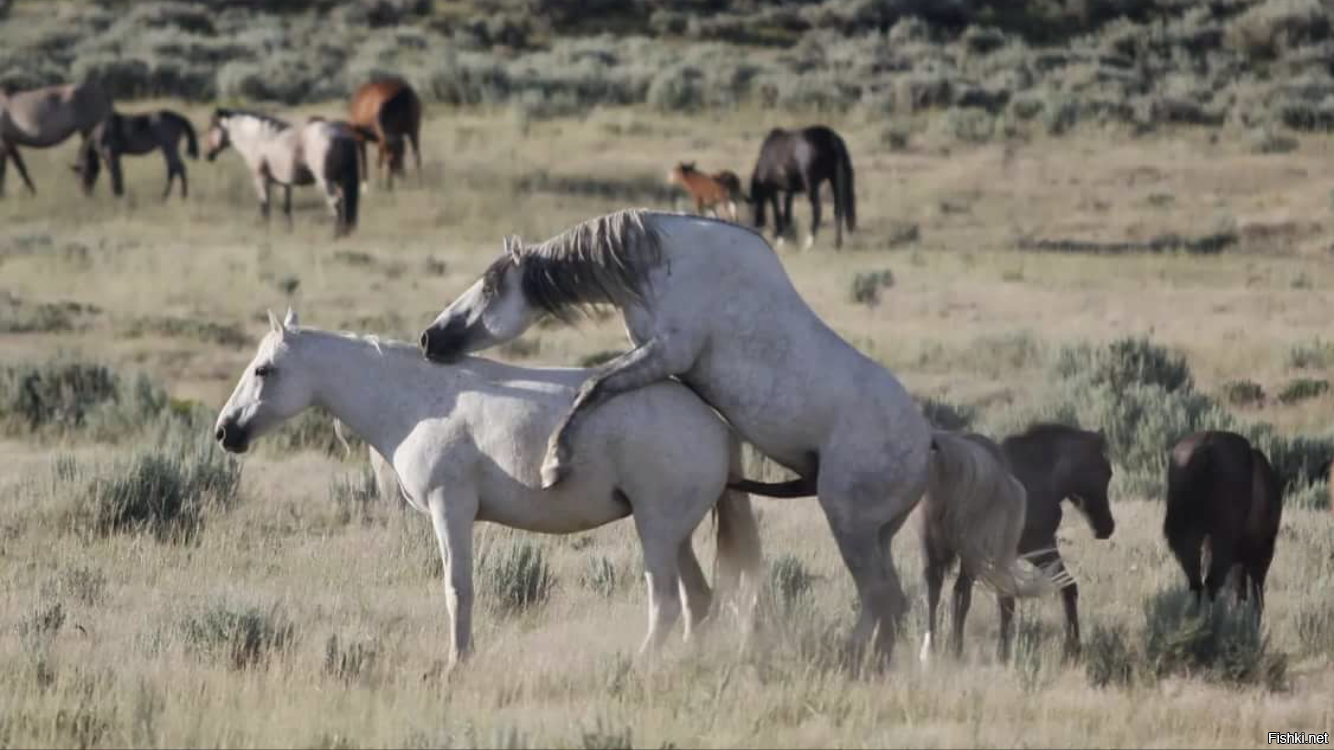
{"x": 739, "y": 561}
{"x": 979, "y": 507}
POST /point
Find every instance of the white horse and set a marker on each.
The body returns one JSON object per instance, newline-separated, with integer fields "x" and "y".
{"x": 319, "y": 152}
{"x": 710, "y": 303}
{"x": 464, "y": 442}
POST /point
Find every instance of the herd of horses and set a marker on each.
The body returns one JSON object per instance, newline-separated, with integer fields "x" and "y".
{"x": 724, "y": 351}
{"x": 330, "y": 154}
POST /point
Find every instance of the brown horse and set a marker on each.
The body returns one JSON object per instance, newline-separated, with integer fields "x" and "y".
{"x": 709, "y": 191}
{"x": 45, "y": 117}
{"x": 387, "y": 111}
{"x": 136, "y": 135}
{"x": 1054, "y": 463}
{"x": 1222, "y": 496}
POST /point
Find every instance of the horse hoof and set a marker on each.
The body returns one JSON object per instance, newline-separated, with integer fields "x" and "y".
{"x": 810, "y": 242}
{"x": 924, "y": 656}
{"x": 778, "y": 242}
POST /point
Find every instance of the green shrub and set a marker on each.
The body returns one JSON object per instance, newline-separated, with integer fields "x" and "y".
{"x": 1317, "y": 354}
{"x": 241, "y": 637}
{"x": 346, "y": 661}
{"x": 789, "y": 577}
{"x": 1108, "y": 658}
{"x": 166, "y": 491}
{"x": 68, "y": 396}
{"x": 1219, "y": 642}
{"x": 1243, "y": 393}
{"x": 518, "y": 577}
{"x": 1126, "y": 362}
{"x": 866, "y": 286}
{"x": 600, "y": 577}
{"x": 1302, "y": 389}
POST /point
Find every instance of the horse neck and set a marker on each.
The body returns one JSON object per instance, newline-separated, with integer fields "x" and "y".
{"x": 370, "y": 390}
{"x": 249, "y": 135}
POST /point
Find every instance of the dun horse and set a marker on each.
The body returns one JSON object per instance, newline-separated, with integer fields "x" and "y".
{"x": 388, "y": 111}
{"x": 1222, "y": 496}
{"x": 465, "y": 442}
{"x": 792, "y": 162}
{"x": 317, "y": 152}
{"x": 46, "y": 117}
{"x": 1051, "y": 463}
{"x": 709, "y": 191}
{"x": 136, "y": 135}
{"x": 710, "y": 303}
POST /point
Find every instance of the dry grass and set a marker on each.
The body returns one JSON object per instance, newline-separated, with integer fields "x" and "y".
{"x": 362, "y": 663}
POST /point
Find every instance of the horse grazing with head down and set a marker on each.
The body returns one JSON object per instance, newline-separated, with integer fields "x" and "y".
{"x": 799, "y": 161}
{"x": 388, "y": 112}
{"x": 45, "y": 117}
{"x": 317, "y": 152}
{"x": 464, "y": 442}
{"x": 708, "y": 191}
{"x": 137, "y": 134}
{"x": 709, "y": 303}
{"x": 1222, "y": 496}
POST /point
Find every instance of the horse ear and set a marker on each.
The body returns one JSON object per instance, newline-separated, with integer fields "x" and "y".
{"x": 274, "y": 325}
{"x": 290, "y": 321}
{"x": 512, "y": 247}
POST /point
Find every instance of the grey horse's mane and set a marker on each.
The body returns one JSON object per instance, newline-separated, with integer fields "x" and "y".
{"x": 605, "y": 260}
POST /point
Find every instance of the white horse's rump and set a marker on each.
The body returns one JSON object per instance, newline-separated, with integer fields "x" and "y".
{"x": 710, "y": 303}
{"x": 465, "y": 441}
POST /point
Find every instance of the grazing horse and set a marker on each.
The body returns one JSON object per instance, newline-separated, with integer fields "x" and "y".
{"x": 974, "y": 512}
{"x": 799, "y": 161}
{"x": 708, "y": 191}
{"x": 709, "y": 302}
{"x": 1222, "y": 496}
{"x": 137, "y": 134}
{"x": 388, "y": 111}
{"x": 464, "y": 442}
{"x": 45, "y": 117}
{"x": 317, "y": 152}
{"x": 1052, "y": 463}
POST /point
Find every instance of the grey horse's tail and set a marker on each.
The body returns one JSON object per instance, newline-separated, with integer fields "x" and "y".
{"x": 976, "y": 504}
{"x": 739, "y": 560}
{"x": 845, "y": 196}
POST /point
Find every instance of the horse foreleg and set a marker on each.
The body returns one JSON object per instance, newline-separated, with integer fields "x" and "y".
{"x": 1006, "y": 605}
{"x": 262, "y": 183}
{"x": 453, "y": 522}
{"x": 22, "y": 168}
{"x": 787, "y": 211}
{"x": 287, "y": 205}
{"x": 655, "y": 360}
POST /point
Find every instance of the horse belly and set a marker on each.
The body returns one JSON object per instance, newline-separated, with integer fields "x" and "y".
{"x": 582, "y": 506}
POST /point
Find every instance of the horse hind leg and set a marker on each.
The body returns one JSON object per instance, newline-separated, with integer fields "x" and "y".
{"x": 1187, "y": 546}
{"x": 694, "y": 589}
{"x": 663, "y": 578}
{"x": 814, "y": 193}
{"x": 657, "y": 359}
{"x": 963, "y": 601}
{"x": 23, "y": 169}
{"x": 933, "y": 572}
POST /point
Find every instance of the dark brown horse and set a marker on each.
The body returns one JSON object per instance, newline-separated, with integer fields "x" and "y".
{"x": 1054, "y": 463}
{"x": 136, "y": 135}
{"x": 388, "y": 112}
{"x": 799, "y": 161}
{"x": 1224, "y": 497}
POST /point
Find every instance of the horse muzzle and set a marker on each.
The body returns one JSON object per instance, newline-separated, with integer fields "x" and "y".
{"x": 232, "y": 438}
{"x": 440, "y": 345}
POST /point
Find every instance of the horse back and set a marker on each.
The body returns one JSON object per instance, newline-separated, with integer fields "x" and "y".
{"x": 383, "y": 97}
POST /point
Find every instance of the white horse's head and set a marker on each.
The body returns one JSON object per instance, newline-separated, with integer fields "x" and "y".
{"x": 217, "y": 138}
{"x": 272, "y": 389}
{"x": 492, "y": 311}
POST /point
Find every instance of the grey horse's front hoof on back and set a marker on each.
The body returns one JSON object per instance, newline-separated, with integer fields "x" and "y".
{"x": 555, "y": 466}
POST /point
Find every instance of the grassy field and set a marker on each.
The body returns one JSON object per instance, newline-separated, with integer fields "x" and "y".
{"x": 301, "y": 614}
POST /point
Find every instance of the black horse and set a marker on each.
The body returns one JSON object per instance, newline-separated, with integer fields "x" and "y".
{"x": 1222, "y": 493}
{"x": 137, "y": 134}
{"x": 793, "y": 162}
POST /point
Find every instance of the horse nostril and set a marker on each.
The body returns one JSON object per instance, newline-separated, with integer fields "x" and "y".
{"x": 426, "y": 340}
{"x": 221, "y": 434}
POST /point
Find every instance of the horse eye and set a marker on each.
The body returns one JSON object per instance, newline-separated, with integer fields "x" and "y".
{"x": 263, "y": 371}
